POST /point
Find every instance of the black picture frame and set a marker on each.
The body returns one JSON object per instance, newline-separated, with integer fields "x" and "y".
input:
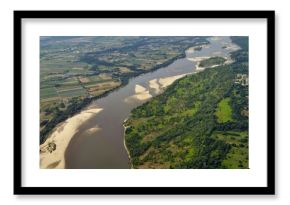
{"x": 268, "y": 190}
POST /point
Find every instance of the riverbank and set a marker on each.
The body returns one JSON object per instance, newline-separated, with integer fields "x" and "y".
{"x": 126, "y": 148}
{"x": 52, "y": 151}
{"x": 80, "y": 105}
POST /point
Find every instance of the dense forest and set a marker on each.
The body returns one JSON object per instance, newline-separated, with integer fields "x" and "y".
{"x": 200, "y": 121}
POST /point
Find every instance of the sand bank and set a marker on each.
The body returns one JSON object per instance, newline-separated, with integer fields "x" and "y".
{"x": 139, "y": 89}
{"x": 53, "y": 149}
{"x": 141, "y": 93}
{"x": 165, "y": 82}
{"x": 199, "y": 68}
{"x": 155, "y": 85}
{"x": 141, "y": 96}
{"x": 124, "y": 142}
{"x": 158, "y": 84}
{"x": 93, "y": 130}
{"x": 198, "y": 59}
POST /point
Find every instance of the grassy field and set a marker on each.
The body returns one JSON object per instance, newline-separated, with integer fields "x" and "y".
{"x": 48, "y": 92}
{"x": 224, "y": 111}
{"x": 72, "y": 92}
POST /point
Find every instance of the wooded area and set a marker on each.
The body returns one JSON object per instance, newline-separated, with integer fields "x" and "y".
{"x": 182, "y": 128}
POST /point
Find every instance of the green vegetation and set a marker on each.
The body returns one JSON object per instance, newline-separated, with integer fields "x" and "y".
{"x": 224, "y": 111}
{"x": 48, "y": 92}
{"x": 237, "y": 156}
{"x": 200, "y": 121}
{"x": 76, "y": 70}
{"x": 212, "y": 61}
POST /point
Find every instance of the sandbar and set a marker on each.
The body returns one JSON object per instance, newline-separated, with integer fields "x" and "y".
{"x": 139, "y": 89}
{"x": 60, "y": 138}
{"x": 165, "y": 82}
{"x": 154, "y": 85}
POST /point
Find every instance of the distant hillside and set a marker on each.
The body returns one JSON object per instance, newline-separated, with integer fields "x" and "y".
{"x": 201, "y": 121}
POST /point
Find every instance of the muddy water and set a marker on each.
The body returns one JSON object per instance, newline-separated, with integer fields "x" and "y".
{"x": 104, "y": 148}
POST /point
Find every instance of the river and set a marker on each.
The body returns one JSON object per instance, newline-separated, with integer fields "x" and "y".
{"x": 104, "y": 148}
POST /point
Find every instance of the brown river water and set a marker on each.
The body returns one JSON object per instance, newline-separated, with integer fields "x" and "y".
{"x": 104, "y": 149}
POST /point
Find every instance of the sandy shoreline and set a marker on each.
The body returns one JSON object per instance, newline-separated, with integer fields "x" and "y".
{"x": 52, "y": 151}
{"x": 165, "y": 82}
{"x": 198, "y": 59}
{"x": 154, "y": 85}
{"x": 124, "y": 141}
{"x": 199, "y": 68}
{"x": 158, "y": 84}
{"x": 141, "y": 93}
